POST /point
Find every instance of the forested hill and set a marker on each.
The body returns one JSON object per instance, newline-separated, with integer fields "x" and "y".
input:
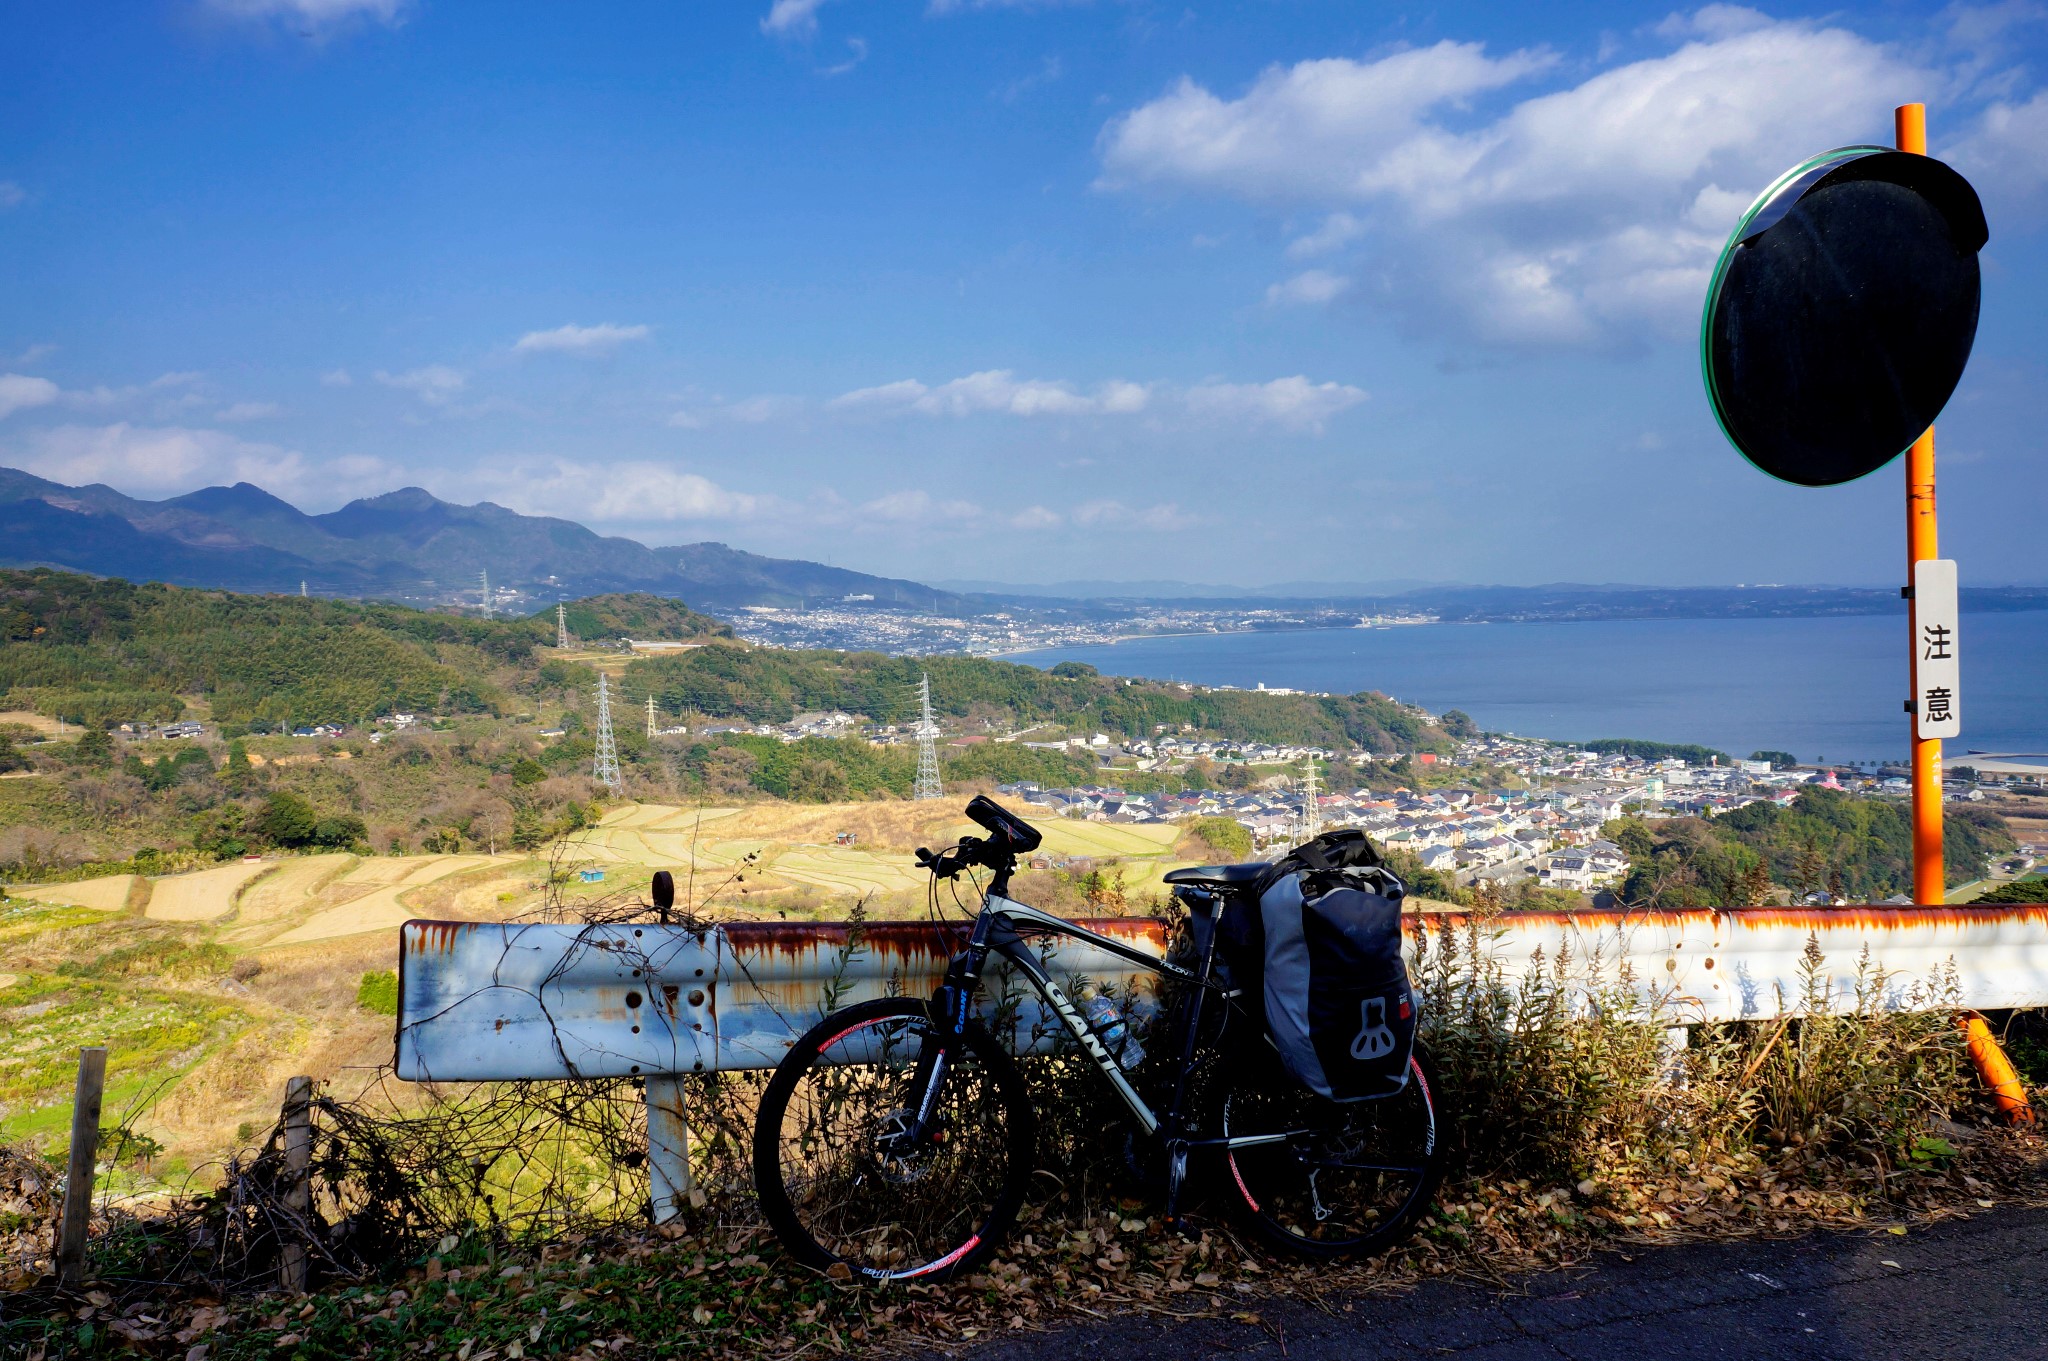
{"x": 98, "y": 652}
{"x": 771, "y": 686}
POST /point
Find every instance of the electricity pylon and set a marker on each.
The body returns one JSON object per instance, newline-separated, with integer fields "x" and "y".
{"x": 927, "y": 785}
{"x": 562, "y": 626}
{"x": 483, "y": 580}
{"x": 607, "y": 770}
{"x": 1311, "y": 811}
{"x": 650, "y": 715}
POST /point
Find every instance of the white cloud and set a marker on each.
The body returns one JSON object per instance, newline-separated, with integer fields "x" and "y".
{"x": 19, "y": 391}
{"x": 1115, "y": 514}
{"x": 167, "y": 395}
{"x": 1338, "y": 230}
{"x": 2006, "y": 157}
{"x": 36, "y": 353}
{"x": 600, "y": 339}
{"x": 1035, "y": 517}
{"x": 717, "y": 411}
{"x": 1310, "y": 288}
{"x": 248, "y": 411}
{"x": 12, "y": 195}
{"x": 903, "y": 392}
{"x": 792, "y": 18}
{"x": 937, "y": 8}
{"x": 997, "y": 390}
{"x": 312, "y": 15}
{"x": 917, "y": 507}
{"x": 1319, "y": 129}
{"x": 856, "y": 53}
{"x": 336, "y": 378}
{"x": 634, "y": 492}
{"x": 1585, "y": 215}
{"x": 434, "y": 384}
{"x": 1293, "y": 402}
{"x": 1049, "y": 70}
{"x": 157, "y": 460}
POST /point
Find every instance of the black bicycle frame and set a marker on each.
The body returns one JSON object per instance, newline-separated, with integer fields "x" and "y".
{"x": 999, "y": 930}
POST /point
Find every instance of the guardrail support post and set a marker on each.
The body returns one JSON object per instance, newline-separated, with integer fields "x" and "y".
{"x": 81, "y": 1176}
{"x": 298, "y": 1199}
{"x": 668, "y": 1147}
{"x": 1996, "y": 1070}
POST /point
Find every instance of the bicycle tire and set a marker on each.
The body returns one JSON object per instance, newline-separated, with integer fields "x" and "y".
{"x": 836, "y": 1196}
{"x": 1275, "y": 1189}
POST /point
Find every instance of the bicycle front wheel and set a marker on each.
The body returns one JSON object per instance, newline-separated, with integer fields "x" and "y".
{"x": 847, "y": 1172}
{"x": 1331, "y": 1180}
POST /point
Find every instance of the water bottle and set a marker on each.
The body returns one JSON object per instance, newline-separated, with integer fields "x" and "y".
{"x": 1108, "y": 1024}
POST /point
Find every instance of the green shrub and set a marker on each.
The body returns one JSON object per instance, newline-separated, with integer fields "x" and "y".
{"x": 378, "y": 993}
{"x": 1227, "y": 838}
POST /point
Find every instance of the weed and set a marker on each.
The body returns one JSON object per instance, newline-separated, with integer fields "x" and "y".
{"x": 378, "y": 992}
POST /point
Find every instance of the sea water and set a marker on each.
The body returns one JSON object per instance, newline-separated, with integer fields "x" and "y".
{"x": 1825, "y": 688}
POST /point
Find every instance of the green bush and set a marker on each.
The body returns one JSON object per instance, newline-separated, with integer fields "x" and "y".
{"x": 1227, "y": 838}
{"x": 378, "y": 993}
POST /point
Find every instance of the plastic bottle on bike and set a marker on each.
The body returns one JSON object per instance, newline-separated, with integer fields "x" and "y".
{"x": 1106, "y": 1019}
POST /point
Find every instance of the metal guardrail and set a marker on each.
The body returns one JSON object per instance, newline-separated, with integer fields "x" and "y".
{"x": 490, "y": 1001}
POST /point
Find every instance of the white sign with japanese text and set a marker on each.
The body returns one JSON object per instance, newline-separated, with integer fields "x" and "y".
{"x": 1937, "y": 671}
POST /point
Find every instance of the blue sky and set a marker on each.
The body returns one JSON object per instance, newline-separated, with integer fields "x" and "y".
{"x": 961, "y": 288}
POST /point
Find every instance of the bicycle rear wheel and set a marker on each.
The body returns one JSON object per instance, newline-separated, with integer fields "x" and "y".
{"x": 843, "y": 1175}
{"x": 1336, "y": 1180}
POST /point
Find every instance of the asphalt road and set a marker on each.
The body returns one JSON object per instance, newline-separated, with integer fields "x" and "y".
{"x": 1962, "y": 1289}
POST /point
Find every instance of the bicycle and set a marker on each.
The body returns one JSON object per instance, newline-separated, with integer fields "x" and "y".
{"x": 897, "y": 1136}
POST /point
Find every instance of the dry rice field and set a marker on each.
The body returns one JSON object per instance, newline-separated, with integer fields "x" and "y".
{"x": 289, "y": 938}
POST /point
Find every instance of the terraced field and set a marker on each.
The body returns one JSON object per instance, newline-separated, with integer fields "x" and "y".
{"x": 212, "y": 987}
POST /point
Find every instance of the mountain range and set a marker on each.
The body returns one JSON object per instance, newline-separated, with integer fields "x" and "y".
{"x": 406, "y": 544}
{"x": 409, "y": 545}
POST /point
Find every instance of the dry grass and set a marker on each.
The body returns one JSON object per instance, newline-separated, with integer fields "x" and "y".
{"x": 28, "y": 718}
{"x": 108, "y": 895}
{"x": 207, "y": 895}
{"x": 895, "y": 824}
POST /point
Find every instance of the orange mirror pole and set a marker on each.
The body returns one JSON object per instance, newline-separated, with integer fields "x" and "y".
{"x": 1930, "y": 886}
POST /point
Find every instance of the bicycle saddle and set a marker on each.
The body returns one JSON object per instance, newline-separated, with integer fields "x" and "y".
{"x": 1219, "y": 876}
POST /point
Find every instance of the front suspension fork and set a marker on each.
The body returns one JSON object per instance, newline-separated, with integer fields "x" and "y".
{"x": 951, "y": 1008}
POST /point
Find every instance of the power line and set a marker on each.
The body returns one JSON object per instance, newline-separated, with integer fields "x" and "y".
{"x": 607, "y": 769}
{"x": 927, "y": 785}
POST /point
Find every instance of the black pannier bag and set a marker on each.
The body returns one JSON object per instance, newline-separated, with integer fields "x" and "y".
{"x": 1325, "y": 947}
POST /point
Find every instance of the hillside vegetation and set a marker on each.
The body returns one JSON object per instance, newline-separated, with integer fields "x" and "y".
{"x": 1858, "y": 850}
{"x": 100, "y": 652}
{"x": 771, "y": 686}
{"x": 507, "y": 761}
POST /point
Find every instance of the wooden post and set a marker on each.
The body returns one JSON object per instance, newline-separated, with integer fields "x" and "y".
{"x": 298, "y": 1197}
{"x": 1930, "y": 882}
{"x": 85, "y": 1153}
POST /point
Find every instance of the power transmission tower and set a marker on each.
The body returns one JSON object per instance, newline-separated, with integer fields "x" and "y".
{"x": 562, "y": 626}
{"x": 1311, "y": 811}
{"x": 650, "y": 715}
{"x": 302, "y": 590}
{"x": 927, "y": 785}
{"x": 484, "y": 585}
{"x": 607, "y": 771}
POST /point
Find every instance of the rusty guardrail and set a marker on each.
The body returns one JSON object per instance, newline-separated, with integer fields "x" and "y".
{"x": 490, "y": 1001}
